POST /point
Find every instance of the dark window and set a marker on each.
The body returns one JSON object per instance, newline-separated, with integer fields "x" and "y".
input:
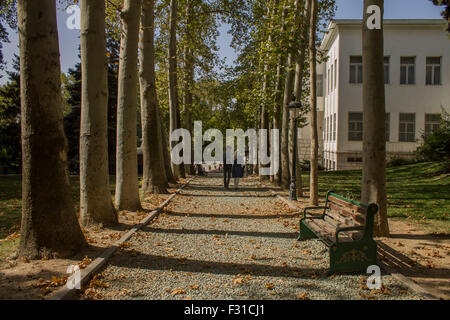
{"x": 433, "y": 71}
{"x": 388, "y": 126}
{"x": 352, "y": 159}
{"x": 335, "y": 73}
{"x": 407, "y": 70}
{"x": 320, "y": 85}
{"x": 355, "y": 126}
{"x": 432, "y": 122}
{"x": 386, "y": 70}
{"x": 356, "y": 73}
{"x": 334, "y": 127}
{"x": 407, "y": 127}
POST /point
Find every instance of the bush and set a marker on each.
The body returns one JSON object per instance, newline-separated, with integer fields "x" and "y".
{"x": 397, "y": 162}
{"x": 436, "y": 146}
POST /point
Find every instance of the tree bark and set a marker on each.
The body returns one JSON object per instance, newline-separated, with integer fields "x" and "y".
{"x": 49, "y": 223}
{"x": 298, "y": 83}
{"x": 287, "y": 98}
{"x": 314, "y": 175}
{"x": 127, "y": 185}
{"x": 373, "y": 189}
{"x": 154, "y": 177}
{"x": 173, "y": 83}
{"x": 96, "y": 204}
{"x": 165, "y": 151}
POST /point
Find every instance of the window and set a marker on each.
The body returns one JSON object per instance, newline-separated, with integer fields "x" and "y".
{"x": 351, "y": 159}
{"x": 356, "y": 72}
{"x": 329, "y": 128}
{"x": 335, "y": 73}
{"x": 388, "y": 125}
{"x": 432, "y": 122}
{"x": 320, "y": 85}
{"x": 332, "y": 76}
{"x": 407, "y": 127}
{"x": 433, "y": 72}
{"x": 334, "y": 127}
{"x": 355, "y": 126}
{"x": 328, "y": 82}
{"x": 386, "y": 70}
{"x": 326, "y": 128}
{"x": 407, "y": 70}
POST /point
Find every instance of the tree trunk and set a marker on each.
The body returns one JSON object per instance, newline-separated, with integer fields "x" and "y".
{"x": 188, "y": 81}
{"x": 287, "y": 98}
{"x": 373, "y": 189}
{"x": 49, "y": 223}
{"x": 277, "y": 111}
{"x": 165, "y": 151}
{"x": 96, "y": 204}
{"x": 154, "y": 177}
{"x": 314, "y": 175}
{"x": 173, "y": 83}
{"x": 127, "y": 185}
{"x": 298, "y": 83}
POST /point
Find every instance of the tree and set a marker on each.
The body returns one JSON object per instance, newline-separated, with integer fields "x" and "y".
{"x": 95, "y": 201}
{"x": 49, "y": 223}
{"x": 287, "y": 98}
{"x": 173, "y": 82}
{"x": 373, "y": 189}
{"x": 314, "y": 175}
{"x": 127, "y": 185}
{"x": 154, "y": 176}
{"x": 446, "y": 12}
{"x": 303, "y": 27}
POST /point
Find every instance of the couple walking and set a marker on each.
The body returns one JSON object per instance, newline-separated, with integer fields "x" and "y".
{"x": 235, "y": 170}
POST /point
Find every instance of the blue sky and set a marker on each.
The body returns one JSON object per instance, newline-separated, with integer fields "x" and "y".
{"x": 347, "y": 9}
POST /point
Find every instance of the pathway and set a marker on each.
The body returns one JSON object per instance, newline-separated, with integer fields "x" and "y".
{"x": 212, "y": 243}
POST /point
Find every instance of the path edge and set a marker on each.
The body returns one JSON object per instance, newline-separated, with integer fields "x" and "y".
{"x": 86, "y": 274}
{"x": 411, "y": 284}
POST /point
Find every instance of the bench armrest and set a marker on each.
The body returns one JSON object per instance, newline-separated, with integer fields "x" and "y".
{"x": 339, "y": 230}
{"x": 305, "y": 212}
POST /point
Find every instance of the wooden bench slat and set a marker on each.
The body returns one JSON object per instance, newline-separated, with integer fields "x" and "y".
{"x": 337, "y": 210}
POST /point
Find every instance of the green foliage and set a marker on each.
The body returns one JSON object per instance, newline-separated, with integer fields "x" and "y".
{"x": 10, "y": 144}
{"x": 436, "y": 146}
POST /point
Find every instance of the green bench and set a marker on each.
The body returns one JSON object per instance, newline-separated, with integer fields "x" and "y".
{"x": 346, "y": 227}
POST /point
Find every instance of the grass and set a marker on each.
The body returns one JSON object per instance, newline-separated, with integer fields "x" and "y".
{"x": 11, "y": 206}
{"x": 416, "y": 191}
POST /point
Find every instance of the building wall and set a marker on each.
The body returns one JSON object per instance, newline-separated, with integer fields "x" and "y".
{"x": 405, "y": 40}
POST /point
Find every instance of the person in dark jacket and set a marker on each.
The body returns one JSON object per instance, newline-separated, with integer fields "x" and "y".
{"x": 226, "y": 169}
{"x": 237, "y": 170}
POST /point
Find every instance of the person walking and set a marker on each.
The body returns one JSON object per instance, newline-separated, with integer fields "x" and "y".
{"x": 227, "y": 168}
{"x": 237, "y": 170}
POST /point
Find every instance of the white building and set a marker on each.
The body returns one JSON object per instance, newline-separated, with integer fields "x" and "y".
{"x": 417, "y": 77}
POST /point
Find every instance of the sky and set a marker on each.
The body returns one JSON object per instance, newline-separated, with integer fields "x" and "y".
{"x": 347, "y": 9}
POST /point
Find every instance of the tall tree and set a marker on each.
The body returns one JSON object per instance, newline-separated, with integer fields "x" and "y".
{"x": 49, "y": 223}
{"x": 314, "y": 175}
{"x": 287, "y": 98}
{"x": 154, "y": 177}
{"x": 173, "y": 81}
{"x": 373, "y": 187}
{"x": 303, "y": 27}
{"x": 96, "y": 204}
{"x": 127, "y": 189}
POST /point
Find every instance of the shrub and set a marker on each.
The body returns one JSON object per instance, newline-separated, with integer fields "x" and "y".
{"x": 436, "y": 146}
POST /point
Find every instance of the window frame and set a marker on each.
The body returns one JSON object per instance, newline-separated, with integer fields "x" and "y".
{"x": 403, "y": 135}
{"x": 407, "y": 67}
{"x": 433, "y": 71}
{"x": 355, "y": 131}
{"x": 357, "y": 66}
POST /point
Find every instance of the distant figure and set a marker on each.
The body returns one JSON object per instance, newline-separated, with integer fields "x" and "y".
{"x": 227, "y": 168}
{"x": 237, "y": 171}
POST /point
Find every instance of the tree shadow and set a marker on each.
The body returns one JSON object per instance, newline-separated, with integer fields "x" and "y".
{"x": 233, "y": 216}
{"x": 280, "y": 235}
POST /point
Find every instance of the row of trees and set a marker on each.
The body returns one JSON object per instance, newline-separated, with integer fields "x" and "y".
{"x": 167, "y": 76}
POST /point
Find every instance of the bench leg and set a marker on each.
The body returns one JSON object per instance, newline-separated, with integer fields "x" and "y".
{"x": 353, "y": 257}
{"x": 305, "y": 232}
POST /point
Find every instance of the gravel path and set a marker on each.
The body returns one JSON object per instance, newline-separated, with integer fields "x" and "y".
{"x": 212, "y": 243}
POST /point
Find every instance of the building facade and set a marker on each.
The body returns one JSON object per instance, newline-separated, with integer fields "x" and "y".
{"x": 417, "y": 79}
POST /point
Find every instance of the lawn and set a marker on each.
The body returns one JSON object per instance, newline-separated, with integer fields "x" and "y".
{"x": 417, "y": 191}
